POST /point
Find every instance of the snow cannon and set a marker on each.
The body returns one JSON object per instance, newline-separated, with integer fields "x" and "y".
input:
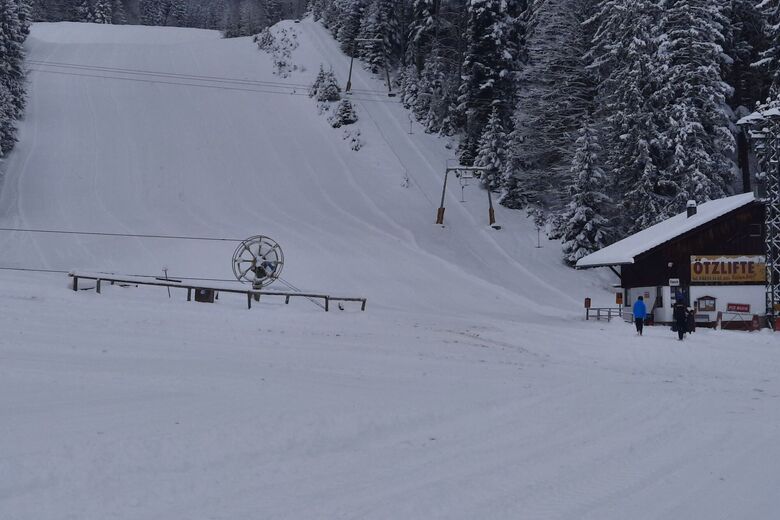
{"x": 258, "y": 260}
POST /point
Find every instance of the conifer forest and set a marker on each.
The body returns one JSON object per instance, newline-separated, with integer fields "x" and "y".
{"x": 598, "y": 117}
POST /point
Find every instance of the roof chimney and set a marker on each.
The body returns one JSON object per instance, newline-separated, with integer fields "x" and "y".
{"x": 691, "y": 207}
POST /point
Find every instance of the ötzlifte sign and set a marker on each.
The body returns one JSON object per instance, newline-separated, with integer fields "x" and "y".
{"x": 728, "y": 269}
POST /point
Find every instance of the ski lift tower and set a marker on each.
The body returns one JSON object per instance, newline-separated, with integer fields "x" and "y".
{"x": 464, "y": 173}
{"x": 381, "y": 41}
{"x": 764, "y": 133}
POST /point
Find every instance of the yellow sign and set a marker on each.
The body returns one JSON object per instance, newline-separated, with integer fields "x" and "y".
{"x": 728, "y": 269}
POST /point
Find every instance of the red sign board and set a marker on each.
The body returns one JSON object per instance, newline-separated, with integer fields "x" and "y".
{"x": 738, "y": 307}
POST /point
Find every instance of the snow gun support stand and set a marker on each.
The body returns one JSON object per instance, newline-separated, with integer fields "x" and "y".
{"x": 381, "y": 42}
{"x": 463, "y": 173}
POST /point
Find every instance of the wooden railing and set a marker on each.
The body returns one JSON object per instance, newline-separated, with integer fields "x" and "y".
{"x": 179, "y": 284}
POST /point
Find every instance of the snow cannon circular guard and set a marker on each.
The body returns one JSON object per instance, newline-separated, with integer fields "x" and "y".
{"x": 258, "y": 260}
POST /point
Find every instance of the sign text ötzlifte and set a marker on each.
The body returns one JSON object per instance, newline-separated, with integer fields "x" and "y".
{"x": 728, "y": 268}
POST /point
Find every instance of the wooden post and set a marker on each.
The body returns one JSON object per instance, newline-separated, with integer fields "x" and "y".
{"x": 75, "y": 283}
{"x": 363, "y": 307}
{"x": 327, "y": 301}
{"x": 287, "y": 299}
{"x": 248, "y": 300}
{"x": 97, "y": 286}
{"x": 189, "y": 294}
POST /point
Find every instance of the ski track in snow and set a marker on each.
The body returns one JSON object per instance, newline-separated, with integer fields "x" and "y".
{"x": 471, "y": 388}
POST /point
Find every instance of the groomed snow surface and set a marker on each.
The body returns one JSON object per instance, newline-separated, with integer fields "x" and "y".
{"x": 470, "y": 388}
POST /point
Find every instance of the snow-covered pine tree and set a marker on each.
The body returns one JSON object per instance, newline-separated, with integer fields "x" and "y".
{"x": 14, "y": 27}
{"x": 555, "y": 93}
{"x": 769, "y": 59}
{"x": 624, "y": 55}
{"x": 118, "y": 14}
{"x": 24, "y": 15}
{"x": 329, "y": 89}
{"x": 441, "y": 93}
{"x": 102, "y": 11}
{"x": 374, "y": 25}
{"x": 486, "y": 71}
{"x": 274, "y": 11}
{"x": 318, "y": 82}
{"x": 176, "y": 14}
{"x": 423, "y": 29}
{"x": 150, "y": 12}
{"x": 317, "y": 8}
{"x": 423, "y": 96}
{"x": 331, "y": 14}
{"x": 344, "y": 114}
{"x": 692, "y": 96}
{"x": 491, "y": 151}
{"x": 584, "y": 226}
{"x": 745, "y": 35}
{"x": 350, "y": 24}
{"x": 409, "y": 79}
{"x": 15, "y": 19}
{"x": 84, "y": 11}
{"x": 7, "y": 121}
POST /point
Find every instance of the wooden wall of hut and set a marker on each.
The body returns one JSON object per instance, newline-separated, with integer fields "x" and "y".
{"x": 740, "y": 232}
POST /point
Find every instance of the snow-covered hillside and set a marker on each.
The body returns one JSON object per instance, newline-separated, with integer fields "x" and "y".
{"x": 186, "y": 133}
{"x": 471, "y": 388}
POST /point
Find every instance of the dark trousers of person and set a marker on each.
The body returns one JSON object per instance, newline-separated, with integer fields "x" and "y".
{"x": 681, "y": 328}
{"x": 639, "y": 322}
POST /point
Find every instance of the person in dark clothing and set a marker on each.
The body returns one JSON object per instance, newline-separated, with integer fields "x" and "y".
{"x": 640, "y": 312}
{"x": 690, "y": 321}
{"x": 680, "y": 319}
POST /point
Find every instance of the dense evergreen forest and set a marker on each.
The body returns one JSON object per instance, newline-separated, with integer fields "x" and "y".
{"x": 233, "y": 17}
{"x": 14, "y": 28}
{"x": 604, "y": 116}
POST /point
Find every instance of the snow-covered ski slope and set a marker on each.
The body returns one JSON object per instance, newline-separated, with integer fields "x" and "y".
{"x": 471, "y": 388}
{"x": 179, "y": 132}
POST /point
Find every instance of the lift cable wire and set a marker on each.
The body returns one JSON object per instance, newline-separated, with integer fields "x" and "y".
{"x": 198, "y": 77}
{"x": 216, "y": 87}
{"x": 127, "y": 235}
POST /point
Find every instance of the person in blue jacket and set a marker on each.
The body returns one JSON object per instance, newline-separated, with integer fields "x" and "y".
{"x": 640, "y": 312}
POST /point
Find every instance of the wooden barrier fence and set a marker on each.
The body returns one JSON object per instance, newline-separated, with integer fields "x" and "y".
{"x": 250, "y": 293}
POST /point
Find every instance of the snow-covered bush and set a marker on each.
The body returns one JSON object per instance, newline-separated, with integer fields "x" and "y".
{"x": 265, "y": 40}
{"x": 280, "y": 46}
{"x": 353, "y": 136}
